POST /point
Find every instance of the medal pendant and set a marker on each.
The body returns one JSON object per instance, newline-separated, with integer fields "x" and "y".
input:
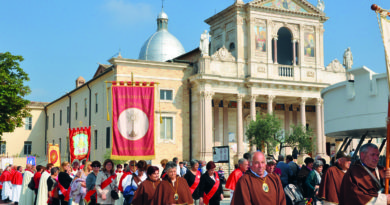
{"x": 265, "y": 187}
{"x": 176, "y": 197}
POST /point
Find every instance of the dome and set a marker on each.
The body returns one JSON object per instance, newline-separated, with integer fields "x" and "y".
{"x": 162, "y": 45}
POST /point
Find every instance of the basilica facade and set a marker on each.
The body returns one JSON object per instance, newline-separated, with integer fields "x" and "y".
{"x": 261, "y": 56}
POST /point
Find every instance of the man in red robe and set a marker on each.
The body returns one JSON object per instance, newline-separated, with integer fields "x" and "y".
{"x": 331, "y": 181}
{"x": 16, "y": 182}
{"x": 236, "y": 175}
{"x": 258, "y": 187}
{"x": 6, "y": 193}
{"x": 364, "y": 179}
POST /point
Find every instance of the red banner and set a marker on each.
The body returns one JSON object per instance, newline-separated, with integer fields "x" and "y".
{"x": 133, "y": 121}
{"x": 80, "y": 143}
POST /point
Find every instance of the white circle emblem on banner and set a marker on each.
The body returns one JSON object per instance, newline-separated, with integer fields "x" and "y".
{"x": 133, "y": 123}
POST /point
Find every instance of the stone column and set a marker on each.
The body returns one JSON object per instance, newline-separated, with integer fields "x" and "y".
{"x": 270, "y": 99}
{"x": 294, "y": 52}
{"x": 320, "y": 142}
{"x": 206, "y": 129}
{"x": 240, "y": 137}
{"x": 294, "y": 114}
{"x": 217, "y": 137}
{"x": 286, "y": 118}
{"x": 225, "y": 123}
{"x": 275, "y": 50}
{"x": 303, "y": 111}
{"x": 253, "y": 115}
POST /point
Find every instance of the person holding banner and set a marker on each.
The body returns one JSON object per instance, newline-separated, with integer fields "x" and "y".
{"x": 42, "y": 192}
{"x": 106, "y": 183}
{"x": 90, "y": 197}
{"x": 210, "y": 187}
{"x": 145, "y": 192}
{"x": 64, "y": 181}
{"x": 172, "y": 189}
{"x": 17, "y": 181}
{"x": 27, "y": 195}
{"x": 193, "y": 178}
{"x": 134, "y": 180}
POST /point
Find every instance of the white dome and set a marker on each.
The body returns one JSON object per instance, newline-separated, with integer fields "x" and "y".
{"x": 162, "y": 45}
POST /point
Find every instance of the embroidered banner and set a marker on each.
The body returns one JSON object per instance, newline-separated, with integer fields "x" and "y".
{"x": 133, "y": 121}
{"x": 80, "y": 143}
{"x": 31, "y": 160}
{"x": 54, "y": 155}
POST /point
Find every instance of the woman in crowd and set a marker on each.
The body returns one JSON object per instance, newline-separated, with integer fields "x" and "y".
{"x": 64, "y": 180}
{"x": 134, "y": 180}
{"x": 103, "y": 189}
{"x": 193, "y": 178}
{"x": 145, "y": 192}
{"x": 210, "y": 186}
{"x": 91, "y": 182}
{"x": 172, "y": 189}
{"x": 163, "y": 163}
{"x": 78, "y": 186}
{"x": 313, "y": 180}
{"x": 52, "y": 187}
{"x": 303, "y": 173}
{"x": 271, "y": 165}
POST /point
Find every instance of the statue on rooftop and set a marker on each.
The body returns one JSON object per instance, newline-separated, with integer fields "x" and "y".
{"x": 204, "y": 43}
{"x": 321, "y": 5}
{"x": 348, "y": 59}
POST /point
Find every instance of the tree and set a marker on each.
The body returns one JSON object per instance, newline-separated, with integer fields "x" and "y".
{"x": 301, "y": 138}
{"x": 266, "y": 130}
{"x": 12, "y": 92}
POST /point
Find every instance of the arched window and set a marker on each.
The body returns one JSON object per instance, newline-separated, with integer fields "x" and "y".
{"x": 284, "y": 47}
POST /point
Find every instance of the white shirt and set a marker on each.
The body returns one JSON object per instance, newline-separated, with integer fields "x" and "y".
{"x": 127, "y": 180}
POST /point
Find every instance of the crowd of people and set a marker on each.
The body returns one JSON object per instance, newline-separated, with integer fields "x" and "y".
{"x": 258, "y": 179}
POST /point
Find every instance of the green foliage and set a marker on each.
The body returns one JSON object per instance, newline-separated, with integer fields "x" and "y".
{"x": 12, "y": 92}
{"x": 301, "y": 138}
{"x": 108, "y": 156}
{"x": 264, "y": 131}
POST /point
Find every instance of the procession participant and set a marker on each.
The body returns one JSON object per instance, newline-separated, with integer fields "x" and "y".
{"x": 303, "y": 173}
{"x": 105, "y": 183}
{"x": 233, "y": 178}
{"x": 27, "y": 195}
{"x": 125, "y": 173}
{"x": 52, "y": 187}
{"x": 364, "y": 179}
{"x": 42, "y": 192}
{"x": 6, "y": 177}
{"x": 210, "y": 187}
{"x": 172, "y": 189}
{"x": 271, "y": 165}
{"x": 64, "y": 180}
{"x": 134, "y": 180}
{"x": 119, "y": 173}
{"x": 145, "y": 192}
{"x": 133, "y": 166}
{"x": 16, "y": 182}
{"x": 313, "y": 180}
{"x": 163, "y": 163}
{"x": 77, "y": 188}
{"x": 90, "y": 197}
{"x": 257, "y": 187}
{"x": 331, "y": 181}
{"x": 75, "y": 168}
{"x": 193, "y": 178}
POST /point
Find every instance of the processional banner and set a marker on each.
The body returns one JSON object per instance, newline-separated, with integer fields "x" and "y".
{"x": 31, "y": 160}
{"x": 386, "y": 40}
{"x": 80, "y": 143}
{"x": 133, "y": 120}
{"x": 54, "y": 156}
{"x": 5, "y": 162}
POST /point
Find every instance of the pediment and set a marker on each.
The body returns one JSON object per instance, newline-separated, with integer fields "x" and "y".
{"x": 296, "y": 6}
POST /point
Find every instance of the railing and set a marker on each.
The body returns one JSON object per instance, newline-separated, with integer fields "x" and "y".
{"x": 286, "y": 71}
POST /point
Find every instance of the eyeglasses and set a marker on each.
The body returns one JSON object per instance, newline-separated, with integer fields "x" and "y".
{"x": 132, "y": 165}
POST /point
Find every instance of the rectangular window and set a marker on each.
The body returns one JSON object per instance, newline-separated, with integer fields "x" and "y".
{"x": 3, "y": 146}
{"x": 54, "y": 120}
{"x": 85, "y": 107}
{"x": 60, "y": 117}
{"x": 28, "y": 123}
{"x": 96, "y": 102}
{"x": 67, "y": 114}
{"x": 27, "y": 147}
{"x": 166, "y": 94}
{"x": 96, "y": 139}
{"x": 75, "y": 105}
{"x": 166, "y": 128}
{"x": 108, "y": 137}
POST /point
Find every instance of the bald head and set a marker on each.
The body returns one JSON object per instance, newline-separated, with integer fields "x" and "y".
{"x": 29, "y": 166}
{"x": 258, "y": 163}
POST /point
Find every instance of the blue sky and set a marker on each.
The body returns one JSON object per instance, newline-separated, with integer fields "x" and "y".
{"x": 62, "y": 40}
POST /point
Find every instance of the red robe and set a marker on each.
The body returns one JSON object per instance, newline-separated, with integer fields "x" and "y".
{"x": 6, "y": 176}
{"x": 233, "y": 179}
{"x": 17, "y": 179}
